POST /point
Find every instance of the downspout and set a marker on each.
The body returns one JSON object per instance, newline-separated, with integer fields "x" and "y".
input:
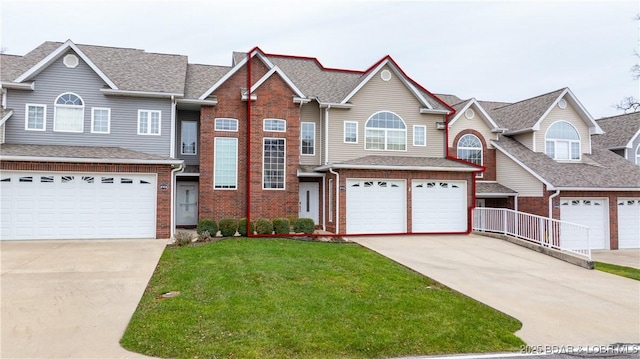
{"x": 337, "y": 199}
{"x": 551, "y": 203}
{"x": 172, "y": 154}
{"x": 324, "y": 202}
{"x": 249, "y": 234}
{"x": 326, "y": 134}
{"x": 174, "y": 172}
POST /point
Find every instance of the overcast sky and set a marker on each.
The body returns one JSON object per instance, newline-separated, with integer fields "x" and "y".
{"x": 490, "y": 50}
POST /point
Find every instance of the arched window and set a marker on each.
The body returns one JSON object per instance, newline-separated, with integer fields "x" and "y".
{"x": 562, "y": 142}
{"x": 68, "y": 113}
{"x": 385, "y": 131}
{"x": 470, "y": 149}
{"x": 638, "y": 155}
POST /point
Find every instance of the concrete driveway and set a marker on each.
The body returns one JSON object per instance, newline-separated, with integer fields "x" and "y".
{"x": 558, "y": 303}
{"x": 72, "y": 299}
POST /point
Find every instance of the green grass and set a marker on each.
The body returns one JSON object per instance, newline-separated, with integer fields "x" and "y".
{"x": 277, "y": 298}
{"x": 622, "y": 271}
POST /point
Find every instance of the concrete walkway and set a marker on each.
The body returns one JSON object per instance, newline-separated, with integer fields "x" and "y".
{"x": 72, "y": 299}
{"x": 621, "y": 257}
{"x": 558, "y": 303}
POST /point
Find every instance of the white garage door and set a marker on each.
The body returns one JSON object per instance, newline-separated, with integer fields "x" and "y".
{"x": 376, "y": 206}
{"x": 588, "y": 212}
{"x": 439, "y": 206}
{"x": 42, "y": 205}
{"x": 629, "y": 223}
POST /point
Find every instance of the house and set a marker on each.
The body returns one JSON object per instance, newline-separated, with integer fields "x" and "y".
{"x": 103, "y": 142}
{"x": 540, "y": 158}
{"x": 621, "y": 135}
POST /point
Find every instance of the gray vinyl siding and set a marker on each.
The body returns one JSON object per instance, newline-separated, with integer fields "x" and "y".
{"x": 84, "y": 82}
{"x": 375, "y": 96}
{"x": 477, "y": 123}
{"x": 311, "y": 113}
{"x": 190, "y": 160}
{"x": 570, "y": 115}
{"x": 512, "y": 175}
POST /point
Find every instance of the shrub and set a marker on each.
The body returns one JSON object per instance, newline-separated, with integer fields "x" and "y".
{"x": 264, "y": 226}
{"x": 209, "y": 225}
{"x": 182, "y": 238}
{"x": 281, "y": 226}
{"x": 228, "y": 227}
{"x": 204, "y": 237}
{"x": 242, "y": 227}
{"x": 304, "y": 225}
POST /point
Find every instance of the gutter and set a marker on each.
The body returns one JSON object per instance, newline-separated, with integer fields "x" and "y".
{"x": 174, "y": 173}
{"x": 30, "y": 86}
{"x": 89, "y": 160}
{"x": 397, "y": 168}
{"x": 140, "y": 93}
{"x": 198, "y": 102}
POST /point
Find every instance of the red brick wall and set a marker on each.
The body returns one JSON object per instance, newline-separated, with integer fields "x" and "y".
{"x": 163, "y": 201}
{"x": 405, "y": 175}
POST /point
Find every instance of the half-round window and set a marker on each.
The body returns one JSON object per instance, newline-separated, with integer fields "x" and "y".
{"x": 68, "y": 113}
{"x": 562, "y": 142}
{"x": 470, "y": 149}
{"x": 385, "y": 131}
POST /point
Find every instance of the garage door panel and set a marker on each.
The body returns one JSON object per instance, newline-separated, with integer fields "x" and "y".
{"x": 376, "y": 206}
{"x": 590, "y": 212}
{"x": 77, "y": 205}
{"x": 628, "y": 223}
{"x": 439, "y": 206}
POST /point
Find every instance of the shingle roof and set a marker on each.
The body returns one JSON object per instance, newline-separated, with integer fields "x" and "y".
{"x": 619, "y": 130}
{"x": 493, "y": 188}
{"x": 105, "y": 154}
{"x": 451, "y": 100}
{"x": 601, "y": 169}
{"x": 405, "y": 161}
{"x": 129, "y": 69}
{"x": 524, "y": 114}
{"x": 200, "y": 78}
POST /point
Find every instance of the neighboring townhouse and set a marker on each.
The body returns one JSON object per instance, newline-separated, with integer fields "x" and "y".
{"x": 621, "y": 135}
{"x": 87, "y": 142}
{"x": 105, "y": 142}
{"x": 540, "y": 159}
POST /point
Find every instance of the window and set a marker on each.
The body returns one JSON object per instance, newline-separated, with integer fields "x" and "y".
{"x": 419, "y": 135}
{"x": 68, "y": 113}
{"x": 470, "y": 149}
{"x": 225, "y": 165}
{"x": 148, "y": 122}
{"x": 638, "y": 155}
{"x": 273, "y": 163}
{"x": 562, "y": 142}
{"x": 308, "y": 138}
{"x": 226, "y": 124}
{"x": 100, "y": 120}
{"x": 385, "y": 131}
{"x": 36, "y": 117}
{"x": 275, "y": 125}
{"x": 189, "y": 137}
{"x": 350, "y": 132}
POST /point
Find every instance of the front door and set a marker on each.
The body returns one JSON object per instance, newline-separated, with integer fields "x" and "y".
{"x": 309, "y": 201}
{"x": 187, "y": 204}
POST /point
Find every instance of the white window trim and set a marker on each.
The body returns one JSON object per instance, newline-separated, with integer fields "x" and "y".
{"x": 578, "y": 141}
{"x": 215, "y": 124}
{"x": 215, "y": 139}
{"x": 195, "y": 153}
{"x": 344, "y": 132}
{"x": 424, "y": 131}
{"x": 148, "y": 133}
{"x": 264, "y": 124}
{"x": 481, "y": 148}
{"x": 93, "y": 109}
{"x": 26, "y": 117}
{"x": 386, "y": 134}
{"x": 314, "y": 138}
{"x": 284, "y": 175}
{"x": 55, "y": 112}
{"x": 638, "y": 155}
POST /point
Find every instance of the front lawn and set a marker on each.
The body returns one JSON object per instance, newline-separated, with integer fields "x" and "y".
{"x": 622, "y": 271}
{"x": 279, "y": 298}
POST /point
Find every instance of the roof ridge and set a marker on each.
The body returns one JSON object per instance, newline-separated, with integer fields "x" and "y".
{"x": 531, "y": 98}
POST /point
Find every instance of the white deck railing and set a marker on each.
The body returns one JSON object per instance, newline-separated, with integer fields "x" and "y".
{"x": 547, "y": 232}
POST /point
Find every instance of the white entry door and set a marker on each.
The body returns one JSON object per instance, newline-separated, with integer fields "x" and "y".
{"x": 187, "y": 203}
{"x": 629, "y": 223}
{"x": 308, "y": 202}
